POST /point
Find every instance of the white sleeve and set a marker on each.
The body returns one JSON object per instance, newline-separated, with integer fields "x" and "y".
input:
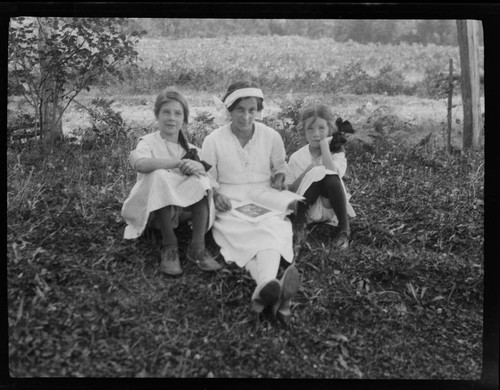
{"x": 278, "y": 155}
{"x": 209, "y": 155}
{"x": 142, "y": 150}
{"x": 340, "y": 163}
{"x": 292, "y": 170}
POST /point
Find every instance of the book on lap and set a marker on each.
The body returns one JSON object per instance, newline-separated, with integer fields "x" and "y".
{"x": 263, "y": 204}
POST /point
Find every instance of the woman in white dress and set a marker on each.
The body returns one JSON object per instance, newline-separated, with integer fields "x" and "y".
{"x": 172, "y": 185}
{"x": 246, "y": 155}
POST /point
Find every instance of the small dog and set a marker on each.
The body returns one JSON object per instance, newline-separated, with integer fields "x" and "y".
{"x": 338, "y": 138}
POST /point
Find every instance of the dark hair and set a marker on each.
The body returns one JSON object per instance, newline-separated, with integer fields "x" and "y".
{"x": 171, "y": 94}
{"x": 317, "y": 111}
{"x": 239, "y": 85}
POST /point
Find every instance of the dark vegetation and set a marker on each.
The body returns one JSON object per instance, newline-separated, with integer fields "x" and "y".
{"x": 405, "y": 301}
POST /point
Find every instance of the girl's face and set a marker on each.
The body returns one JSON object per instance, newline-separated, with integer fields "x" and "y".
{"x": 170, "y": 119}
{"x": 243, "y": 115}
{"x": 316, "y": 129}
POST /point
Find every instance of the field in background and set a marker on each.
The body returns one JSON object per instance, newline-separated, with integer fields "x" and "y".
{"x": 291, "y": 55}
{"x": 291, "y": 64}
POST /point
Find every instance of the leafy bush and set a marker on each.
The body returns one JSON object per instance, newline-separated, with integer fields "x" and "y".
{"x": 352, "y": 78}
{"x": 435, "y": 82}
{"x": 21, "y": 129}
{"x": 391, "y": 82}
{"x": 107, "y": 125}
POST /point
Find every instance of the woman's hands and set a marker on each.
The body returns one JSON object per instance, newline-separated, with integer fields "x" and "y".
{"x": 278, "y": 181}
{"x": 191, "y": 167}
{"x": 222, "y": 202}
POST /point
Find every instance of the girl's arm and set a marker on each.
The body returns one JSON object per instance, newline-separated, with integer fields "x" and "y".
{"x": 187, "y": 167}
{"x": 278, "y": 163}
{"x": 295, "y": 185}
{"x": 209, "y": 154}
{"x": 336, "y": 162}
{"x": 150, "y": 164}
{"x": 326, "y": 156}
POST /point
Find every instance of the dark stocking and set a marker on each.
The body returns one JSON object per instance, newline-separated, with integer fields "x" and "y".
{"x": 199, "y": 218}
{"x": 164, "y": 216}
{"x": 331, "y": 188}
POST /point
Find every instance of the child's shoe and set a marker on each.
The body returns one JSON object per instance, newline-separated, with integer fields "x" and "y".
{"x": 170, "y": 263}
{"x": 341, "y": 241}
{"x": 266, "y": 294}
{"x": 203, "y": 259}
{"x": 290, "y": 283}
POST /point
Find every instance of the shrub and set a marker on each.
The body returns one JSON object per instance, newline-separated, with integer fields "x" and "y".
{"x": 435, "y": 82}
{"x": 21, "y": 129}
{"x": 352, "y": 78}
{"x": 107, "y": 125}
{"x": 389, "y": 81}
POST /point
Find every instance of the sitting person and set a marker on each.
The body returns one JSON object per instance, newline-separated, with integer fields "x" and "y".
{"x": 247, "y": 155}
{"x": 172, "y": 184}
{"x": 315, "y": 171}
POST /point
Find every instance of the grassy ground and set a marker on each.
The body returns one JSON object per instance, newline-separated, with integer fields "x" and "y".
{"x": 405, "y": 301}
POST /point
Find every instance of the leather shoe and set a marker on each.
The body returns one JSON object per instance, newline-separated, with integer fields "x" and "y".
{"x": 266, "y": 294}
{"x": 290, "y": 283}
{"x": 341, "y": 241}
{"x": 170, "y": 263}
{"x": 203, "y": 259}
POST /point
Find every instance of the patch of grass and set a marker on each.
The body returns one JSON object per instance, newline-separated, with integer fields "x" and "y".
{"x": 405, "y": 301}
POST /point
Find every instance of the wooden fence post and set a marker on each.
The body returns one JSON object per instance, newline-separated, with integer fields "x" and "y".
{"x": 468, "y": 34}
{"x": 450, "y": 106}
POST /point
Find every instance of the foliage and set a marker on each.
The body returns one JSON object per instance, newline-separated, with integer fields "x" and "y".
{"x": 440, "y": 32}
{"x": 436, "y": 82}
{"x": 405, "y": 302}
{"x": 390, "y": 82}
{"x": 107, "y": 125}
{"x": 54, "y": 59}
{"x": 20, "y": 128}
{"x": 286, "y": 63}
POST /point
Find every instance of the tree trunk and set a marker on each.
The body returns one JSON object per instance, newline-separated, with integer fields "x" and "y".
{"x": 50, "y": 108}
{"x": 468, "y": 41}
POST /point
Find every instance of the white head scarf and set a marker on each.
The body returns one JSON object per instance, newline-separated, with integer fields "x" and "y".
{"x": 223, "y": 115}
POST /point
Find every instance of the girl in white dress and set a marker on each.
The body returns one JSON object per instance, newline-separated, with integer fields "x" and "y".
{"x": 315, "y": 171}
{"x": 247, "y": 155}
{"x": 172, "y": 184}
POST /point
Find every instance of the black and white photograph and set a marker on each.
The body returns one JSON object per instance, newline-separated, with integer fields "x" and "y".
{"x": 130, "y": 139}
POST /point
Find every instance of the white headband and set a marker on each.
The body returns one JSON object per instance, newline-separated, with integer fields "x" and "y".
{"x": 243, "y": 92}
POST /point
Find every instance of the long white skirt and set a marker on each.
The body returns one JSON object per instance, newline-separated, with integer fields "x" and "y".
{"x": 240, "y": 240}
{"x": 159, "y": 189}
{"x": 321, "y": 210}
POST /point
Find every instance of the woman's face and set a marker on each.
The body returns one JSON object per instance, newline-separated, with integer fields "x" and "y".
{"x": 243, "y": 115}
{"x": 316, "y": 129}
{"x": 170, "y": 118}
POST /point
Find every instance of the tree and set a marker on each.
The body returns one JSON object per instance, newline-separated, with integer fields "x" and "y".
{"x": 54, "y": 59}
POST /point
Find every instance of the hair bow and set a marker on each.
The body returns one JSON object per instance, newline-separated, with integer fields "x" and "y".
{"x": 338, "y": 138}
{"x": 192, "y": 154}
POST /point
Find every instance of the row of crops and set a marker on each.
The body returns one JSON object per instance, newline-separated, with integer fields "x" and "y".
{"x": 288, "y": 62}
